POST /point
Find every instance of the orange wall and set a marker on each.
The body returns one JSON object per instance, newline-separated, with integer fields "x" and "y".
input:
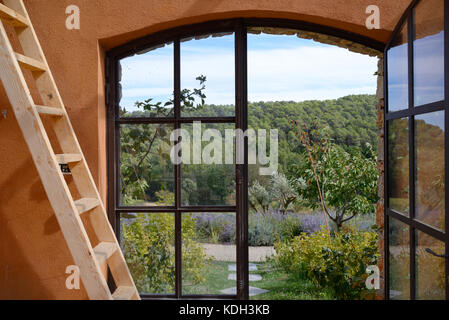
{"x": 33, "y": 254}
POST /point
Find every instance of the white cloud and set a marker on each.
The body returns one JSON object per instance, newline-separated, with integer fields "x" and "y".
{"x": 294, "y": 73}
{"x": 305, "y": 73}
{"x": 142, "y": 92}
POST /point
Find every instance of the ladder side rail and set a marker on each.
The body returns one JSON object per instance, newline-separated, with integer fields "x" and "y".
{"x": 50, "y": 174}
{"x": 67, "y": 139}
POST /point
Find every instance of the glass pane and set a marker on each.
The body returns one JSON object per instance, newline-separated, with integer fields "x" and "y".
{"x": 398, "y": 165}
{"x": 209, "y": 253}
{"x": 208, "y": 167}
{"x": 147, "y": 83}
{"x": 430, "y": 270}
{"x": 208, "y": 76}
{"x": 148, "y": 244}
{"x": 397, "y": 62}
{"x": 428, "y": 47}
{"x": 399, "y": 254}
{"x": 429, "y": 185}
{"x": 146, "y": 170}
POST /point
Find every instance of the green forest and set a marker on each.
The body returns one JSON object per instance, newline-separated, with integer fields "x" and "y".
{"x": 147, "y": 175}
{"x": 351, "y": 121}
{"x": 323, "y": 196}
{"x": 327, "y": 178}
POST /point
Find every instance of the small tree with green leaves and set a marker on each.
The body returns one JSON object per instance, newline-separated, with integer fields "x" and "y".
{"x": 145, "y": 148}
{"x": 344, "y": 184}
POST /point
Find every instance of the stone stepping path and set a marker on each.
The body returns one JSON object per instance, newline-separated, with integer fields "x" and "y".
{"x": 252, "y": 277}
{"x": 233, "y": 267}
{"x": 253, "y": 291}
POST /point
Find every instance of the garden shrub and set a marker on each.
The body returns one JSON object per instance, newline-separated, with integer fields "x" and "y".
{"x": 336, "y": 262}
{"x": 312, "y": 222}
{"x": 215, "y": 227}
{"x": 267, "y": 229}
{"x": 263, "y": 229}
{"x": 195, "y": 263}
{"x": 148, "y": 245}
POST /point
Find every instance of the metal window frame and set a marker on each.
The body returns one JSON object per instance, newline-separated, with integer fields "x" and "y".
{"x": 410, "y": 113}
{"x": 239, "y": 27}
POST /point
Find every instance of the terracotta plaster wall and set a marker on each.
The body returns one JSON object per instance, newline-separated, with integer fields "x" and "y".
{"x": 33, "y": 254}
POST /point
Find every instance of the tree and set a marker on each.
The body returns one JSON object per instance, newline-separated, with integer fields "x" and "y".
{"x": 140, "y": 163}
{"x": 343, "y": 183}
{"x": 284, "y": 190}
{"x": 259, "y": 198}
{"x": 281, "y": 191}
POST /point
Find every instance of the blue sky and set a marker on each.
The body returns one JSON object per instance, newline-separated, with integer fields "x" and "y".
{"x": 279, "y": 68}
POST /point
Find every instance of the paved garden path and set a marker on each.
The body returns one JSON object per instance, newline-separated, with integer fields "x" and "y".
{"x": 222, "y": 252}
{"x": 252, "y": 277}
{"x": 253, "y": 291}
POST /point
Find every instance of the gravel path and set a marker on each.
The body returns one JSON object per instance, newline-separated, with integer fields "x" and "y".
{"x": 221, "y": 252}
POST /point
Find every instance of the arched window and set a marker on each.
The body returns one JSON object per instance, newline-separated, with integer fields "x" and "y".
{"x": 165, "y": 74}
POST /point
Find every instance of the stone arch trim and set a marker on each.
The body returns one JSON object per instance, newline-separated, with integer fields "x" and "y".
{"x": 302, "y": 29}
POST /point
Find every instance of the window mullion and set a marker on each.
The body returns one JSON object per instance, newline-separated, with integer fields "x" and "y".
{"x": 411, "y": 121}
{"x": 241, "y": 92}
{"x": 177, "y": 168}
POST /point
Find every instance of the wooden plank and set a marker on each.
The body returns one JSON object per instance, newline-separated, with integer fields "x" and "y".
{"x": 68, "y": 158}
{"x": 123, "y": 293}
{"x": 30, "y": 63}
{"x": 12, "y": 17}
{"x": 86, "y": 204}
{"x": 104, "y": 250}
{"x": 44, "y": 159}
{"x": 50, "y": 111}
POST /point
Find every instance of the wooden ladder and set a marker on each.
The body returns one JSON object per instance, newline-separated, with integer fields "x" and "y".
{"x": 68, "y": 211}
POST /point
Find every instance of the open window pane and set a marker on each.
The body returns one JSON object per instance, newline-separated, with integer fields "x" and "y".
{"x": 209, "y": 253}
{"x": 430, "y": 270}
{"x": 146, "y": 170}
{"x": 398, "y": 165}
{"x": 208, "y": 76}
{"x": 148, "y": 244}
{"x": 399, "y": 255}
{"x": 147, "y": 83}
{"x": 397, "y": 62}
{"x": 208, "y": 168}
{"x": 429, "y": 185}
{"x": 428, "y": 50}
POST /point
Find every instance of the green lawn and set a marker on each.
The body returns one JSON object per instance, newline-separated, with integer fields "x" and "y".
{"x": 216, "y": 280}
{"x": 280, "y": 286}
{"x": 283, "y": 287}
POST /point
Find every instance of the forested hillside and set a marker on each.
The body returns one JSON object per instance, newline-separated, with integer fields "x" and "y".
{"x": 351, "y": 121}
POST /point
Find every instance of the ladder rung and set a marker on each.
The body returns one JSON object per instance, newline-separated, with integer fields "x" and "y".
{"x": 50, "y": 111}
{"x": 105, "y": 250}
{"x": 12, "y": 17}
{"x": 123, "y": 293}
{"x": 30, "y": 63}
{"x": 68, "y": 158}
{"x": 86, "y": 204}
